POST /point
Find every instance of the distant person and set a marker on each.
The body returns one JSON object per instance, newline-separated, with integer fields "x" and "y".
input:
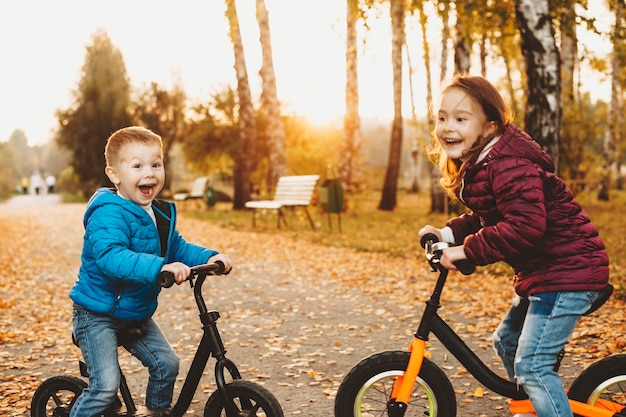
{"x": 523, "y": 214}
{"x": 24, "y": 185}
{"x": 130, "y": 236}
{"x": 50, "y": 181}
{"x": 36, "y": 182}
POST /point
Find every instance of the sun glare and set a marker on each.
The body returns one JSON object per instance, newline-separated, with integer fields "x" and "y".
{"x": 189, "y": 43}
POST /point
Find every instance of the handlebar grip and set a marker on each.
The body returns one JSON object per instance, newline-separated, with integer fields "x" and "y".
{"x": 465, "y": 266}
{"x": 428, "y": 237}
{"x": 166, "y": 279}
{"x": 221, "y": 267}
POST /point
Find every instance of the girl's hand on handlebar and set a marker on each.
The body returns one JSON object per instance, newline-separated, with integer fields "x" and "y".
{"x": 179, "y": 270}
{"x": 429, "y": 229}
{"x": 220, "y": 257}
{"x": 451, "y": 255}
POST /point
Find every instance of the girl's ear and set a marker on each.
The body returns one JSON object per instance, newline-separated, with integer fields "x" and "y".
{"x": 490, "y": 129}
{"x": 112, "y": 174}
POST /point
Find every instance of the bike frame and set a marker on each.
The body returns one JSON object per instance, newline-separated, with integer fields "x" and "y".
{"x": 431, "y": 322}
{"x": 210, "y": 344}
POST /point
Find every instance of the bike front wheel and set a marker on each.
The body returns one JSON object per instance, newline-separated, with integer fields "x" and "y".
{"x": 603, "y": 384}
{"x": 251, "y": 400}
{"x": 56, "y": 396}
{"x": 366, "y": 389}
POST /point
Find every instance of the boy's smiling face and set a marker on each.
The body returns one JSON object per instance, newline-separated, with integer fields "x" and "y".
{"x": 139, "y": 173}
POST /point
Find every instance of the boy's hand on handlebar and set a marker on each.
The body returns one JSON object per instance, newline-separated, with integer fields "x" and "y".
{"x": 220, "y": 257}
{"x": 451, "y": 255}
{"x": 179, "y": 270}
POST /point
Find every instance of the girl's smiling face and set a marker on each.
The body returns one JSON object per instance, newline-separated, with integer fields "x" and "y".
{"x": 139, "y": 174}
{"x": 461, "y": 121}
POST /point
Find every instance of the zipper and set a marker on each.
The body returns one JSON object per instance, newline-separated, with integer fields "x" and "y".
{"x": 462, "y": 187}
{"x": 118, "y": 297}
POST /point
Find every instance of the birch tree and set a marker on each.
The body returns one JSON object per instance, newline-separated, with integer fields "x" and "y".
{"x": 390, "y": 187}
{"x": 247, "y": 124}
{"x": 270, "y": 106}
{"x": 350, "y": 155}
{"x": 543, "y": 66}
{"x": 462, "y": 44}
{"x": 571, "y": 146}
{"x": 610, "y": 137}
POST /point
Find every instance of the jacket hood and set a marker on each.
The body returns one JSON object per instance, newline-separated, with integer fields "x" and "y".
{"x": 516, "y": 143}
{"x": 104, "y": 196}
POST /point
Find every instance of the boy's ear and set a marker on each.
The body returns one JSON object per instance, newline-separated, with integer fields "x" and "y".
{"x": 112, "y": 174}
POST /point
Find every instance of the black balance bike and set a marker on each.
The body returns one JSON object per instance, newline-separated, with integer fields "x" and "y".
{"x": 406, "y": 383}
{"x": 236, "y": 398}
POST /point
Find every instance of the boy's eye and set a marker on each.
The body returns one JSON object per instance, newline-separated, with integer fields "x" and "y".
{"x": 137, "y": 166}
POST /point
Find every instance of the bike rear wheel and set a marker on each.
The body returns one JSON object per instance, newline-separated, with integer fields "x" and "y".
{"x": 56, "y": 396}
{"x": 366, "y": 389}
{"x": 251, "y": 399}
{"x": 603, "y": 384}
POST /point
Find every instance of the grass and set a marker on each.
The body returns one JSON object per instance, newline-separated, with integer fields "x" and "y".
{"x": 365, "y": 228}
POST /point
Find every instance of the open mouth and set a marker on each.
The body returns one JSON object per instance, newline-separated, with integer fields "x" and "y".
{"x": 146, "y": 190}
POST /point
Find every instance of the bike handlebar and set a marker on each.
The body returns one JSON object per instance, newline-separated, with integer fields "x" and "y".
{"x": 434, "y": 249}
{"x": 166, "y": 279}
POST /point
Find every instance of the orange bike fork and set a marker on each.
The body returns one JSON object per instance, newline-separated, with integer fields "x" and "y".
{"x": 403, "y": 386}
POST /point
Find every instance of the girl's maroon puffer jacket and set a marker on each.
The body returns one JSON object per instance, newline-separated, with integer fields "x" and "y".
{"x": 523, "y": 214}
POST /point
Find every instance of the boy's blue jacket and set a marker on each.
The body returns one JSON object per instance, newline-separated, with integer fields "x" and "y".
{"x": 123, "y": 255}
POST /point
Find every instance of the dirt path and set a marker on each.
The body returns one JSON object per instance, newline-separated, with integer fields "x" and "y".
{"x": 295, "y": 316}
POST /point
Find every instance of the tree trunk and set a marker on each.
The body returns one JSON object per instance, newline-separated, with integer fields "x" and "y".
{"x": 461, "y": 45}
{"x": 444, "y": 12}
{"x": 571, "y": 146}
{"x": 543, "y": 106}
{"x": 247, "y": 126}
{"x": 390, "y": 187}
{"x": 350, "y": 157}
{"x": 437, "y": 195}
{"x": 270, "y": 106}
{"x": 610, "y": 143}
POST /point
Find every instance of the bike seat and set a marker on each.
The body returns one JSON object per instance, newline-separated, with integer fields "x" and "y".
{"x": 124, "y": 335}
{"x": 604, "y": 295}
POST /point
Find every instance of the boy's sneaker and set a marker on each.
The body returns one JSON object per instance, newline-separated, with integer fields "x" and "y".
{"x": 524, "y": 415}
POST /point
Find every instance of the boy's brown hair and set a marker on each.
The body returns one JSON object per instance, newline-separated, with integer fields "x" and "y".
{"x": 127, "y": 135}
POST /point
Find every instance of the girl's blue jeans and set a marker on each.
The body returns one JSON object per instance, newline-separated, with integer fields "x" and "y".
{"x": 97, "y": 337}
{"x": 529, "y": 339}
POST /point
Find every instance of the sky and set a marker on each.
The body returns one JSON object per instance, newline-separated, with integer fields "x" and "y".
{"x": 42, "y": 50}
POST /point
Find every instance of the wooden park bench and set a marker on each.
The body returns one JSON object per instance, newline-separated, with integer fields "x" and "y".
{"x": 291, "y": 192}
{"x": 198, "y": 189}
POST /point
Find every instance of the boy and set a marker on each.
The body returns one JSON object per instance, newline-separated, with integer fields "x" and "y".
{"x": 130, "y": 237}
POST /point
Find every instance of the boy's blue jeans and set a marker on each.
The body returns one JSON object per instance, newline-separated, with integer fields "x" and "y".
{"x": 97, "y": 337}
{"x": 529, "y": 339}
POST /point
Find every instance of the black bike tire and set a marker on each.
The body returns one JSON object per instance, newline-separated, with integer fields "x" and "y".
{"x": 605, "y": 374}
{"x": 242, "y": 389}
{"x": 52, "y": 386}
{"x": 440, "y": 399}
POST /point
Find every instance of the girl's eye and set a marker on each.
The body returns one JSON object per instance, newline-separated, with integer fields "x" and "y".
{"x": 137, "y": 166}
{"x": 156, "y": 165}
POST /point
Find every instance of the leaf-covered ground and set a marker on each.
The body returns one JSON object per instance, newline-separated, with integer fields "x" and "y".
{"x": 295, "y": 316}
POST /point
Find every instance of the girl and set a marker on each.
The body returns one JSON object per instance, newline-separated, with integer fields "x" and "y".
{"x": 523, "y": 214}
